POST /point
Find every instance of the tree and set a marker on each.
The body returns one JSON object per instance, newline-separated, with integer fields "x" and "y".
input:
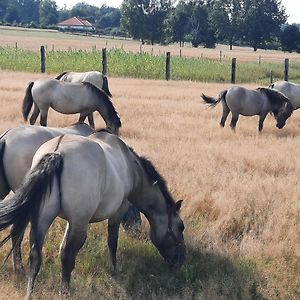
{"x": 48, "y": 13}
{"x": 28, "y": 11}
{"x": 144, "y": 19}
{"x": 177, "y": 22}
{"x": 290, "y": 38}
{"x": 262, "y": 20}
{"x": 200, "y": 28}
{"x": 225, "y": 18}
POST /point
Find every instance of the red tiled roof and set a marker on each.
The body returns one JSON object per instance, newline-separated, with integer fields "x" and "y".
{"x": 75, "y": 21}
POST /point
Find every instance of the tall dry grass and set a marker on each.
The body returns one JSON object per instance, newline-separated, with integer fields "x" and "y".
{"x": 241, "y": 193}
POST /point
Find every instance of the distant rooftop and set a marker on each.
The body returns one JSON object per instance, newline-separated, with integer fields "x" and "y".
{"x": 75, "y": 21}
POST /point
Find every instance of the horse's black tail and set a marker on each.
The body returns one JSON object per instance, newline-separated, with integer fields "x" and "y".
{"x": 271, "y": 86}
{"x": 213, "y": 101}
{"x": 27, "y": 101}
{"x": 105, "y": 86}
{"x": 4, "y": 186}
{"x": 24, "y": 205}
{"x": 61, "y": 75}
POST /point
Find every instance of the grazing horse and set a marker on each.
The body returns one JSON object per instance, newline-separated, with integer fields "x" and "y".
{"x": 248, "y": 102}
{"x": 86, "y": 180}
{"x": 94, "y": 77}
{"x": 17, "y": 148}
{"x": 68, "y": 98}
{"x": 290, "y": 90}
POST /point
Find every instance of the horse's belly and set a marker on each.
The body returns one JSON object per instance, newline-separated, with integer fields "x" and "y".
{"x": 66, "y": 108}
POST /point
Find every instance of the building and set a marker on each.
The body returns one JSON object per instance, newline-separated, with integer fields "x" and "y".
{"x": 76, "y": 23}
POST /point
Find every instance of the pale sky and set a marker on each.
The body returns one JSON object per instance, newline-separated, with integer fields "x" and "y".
{"x": 292, "y": 6}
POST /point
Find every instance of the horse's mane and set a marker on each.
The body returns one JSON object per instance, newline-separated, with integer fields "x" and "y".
{"x": 61, "y": 75}
{"x": 156, "y": 177}
{"x": 111, "y": 109}
{"x": 274, "y": 96}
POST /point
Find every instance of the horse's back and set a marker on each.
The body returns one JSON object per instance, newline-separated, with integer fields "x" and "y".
{"x": 245, "y": 101}
{"x": 21, "y": 144}
{"x": 290, "y": 90}
{"x": 92, "y": 189}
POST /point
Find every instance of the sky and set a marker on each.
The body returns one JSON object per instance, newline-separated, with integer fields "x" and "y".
{"x": 291, "y": 6}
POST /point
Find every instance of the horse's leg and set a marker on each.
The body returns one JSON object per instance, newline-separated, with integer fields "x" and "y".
{"x": 81, "y": 118}
{"x": 226, "y": 111}
{"x": 73, "y": 241}
{"x": 37, "y": 236}
{"x": 44, "y": 116}
{"x": 113, "y": 235}
{"x": 91, "y": 120}
{"x": 262, "y": 117}
{"x": 234, "y": 120}
{"x": 34, "y": 115}
{"x": 16, "y": 240}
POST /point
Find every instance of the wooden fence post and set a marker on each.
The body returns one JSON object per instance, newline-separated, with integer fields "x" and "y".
{"x": 104, "y": 61}
{"x": 16, "y": 46}
{"x": 286, "y": 69}
{"x": 43, "y": 59}
{"x": 259, "y": 59}
{"x": 233, "y": 69}
{"x": 220, "y": 55}
{"x": 168, "y": 65}
{"x": 271, "y": 77}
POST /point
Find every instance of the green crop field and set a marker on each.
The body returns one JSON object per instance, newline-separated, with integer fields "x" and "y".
{"x": 145, "y": 65}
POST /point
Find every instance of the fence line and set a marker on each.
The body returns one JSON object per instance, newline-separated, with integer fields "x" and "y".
{"x": 168, "y": 64}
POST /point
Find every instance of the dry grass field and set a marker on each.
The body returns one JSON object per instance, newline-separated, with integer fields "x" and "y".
{"x": 32, "y": 39}
{"x": 241, "y": 196}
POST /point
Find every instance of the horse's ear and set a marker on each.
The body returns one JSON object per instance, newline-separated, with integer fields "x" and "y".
{"x": 178, "y": 205}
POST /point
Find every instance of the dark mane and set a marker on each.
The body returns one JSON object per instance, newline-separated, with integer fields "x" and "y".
{"x": 61, "y": 75}
{"x": 274, "y": 96}
{"x": 113, "y": 115}
{"x": 156, "y": 177}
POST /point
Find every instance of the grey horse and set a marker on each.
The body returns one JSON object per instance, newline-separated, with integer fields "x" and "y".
{"x": 59, "y": 185}
{"x": 290, "y": 90}
{"x": 248, "y": 102}
{"x": 94, "y": 77}
{"x": 68, "y": 98}
{"x": 17, "y": 148}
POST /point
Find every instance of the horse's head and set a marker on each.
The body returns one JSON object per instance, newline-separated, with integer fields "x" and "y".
{"x": 166, "y": 234}
{"x": 283, "y": 113}
{"x": 114, "y": 126}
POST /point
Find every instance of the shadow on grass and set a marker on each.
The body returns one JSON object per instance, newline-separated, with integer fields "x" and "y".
{"x": 144, "y": 275}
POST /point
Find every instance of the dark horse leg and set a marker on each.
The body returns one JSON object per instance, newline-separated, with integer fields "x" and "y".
{"x": 34, "y": 115}
{"x": 44, "y": 116}
{"x": 262, "y": 117}
{"x": 17, "y": 235}
{"x": 74, "y": 239}
{"x": 234, "y": 120}
{"x": 82, "y": 117}
{"x": 37, "y": 236}
{"x": 226, "y": 111}
{"x": 91, "y": 120}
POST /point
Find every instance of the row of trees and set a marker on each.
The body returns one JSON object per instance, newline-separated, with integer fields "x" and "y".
{"x": 255, "y": 22}
{"x": 258, "y": 23}
{"x": 44, "y": 13}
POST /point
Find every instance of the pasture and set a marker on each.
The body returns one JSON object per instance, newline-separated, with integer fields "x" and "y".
{"x": 241, "y": 200}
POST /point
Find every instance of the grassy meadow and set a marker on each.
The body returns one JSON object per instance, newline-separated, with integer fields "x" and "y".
{"x": 241, "y": 200}
{"x": 241, "y": 190}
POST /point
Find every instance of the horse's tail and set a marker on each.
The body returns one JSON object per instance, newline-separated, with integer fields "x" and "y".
{"x": 61, "y": 75}
{"x": 271, "y": 86}
{"x": 213, "y": 101}
{"x": 105, "y": 86}
{"x": 25, "y": 203}
{"x": 4, "y": 186}
{"x": 27, "y": 101}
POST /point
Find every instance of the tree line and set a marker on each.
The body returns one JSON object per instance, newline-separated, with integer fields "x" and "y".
{"x": 256, "y": 23}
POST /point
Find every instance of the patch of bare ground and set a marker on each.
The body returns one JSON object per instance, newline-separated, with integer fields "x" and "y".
{"x": 241, "y": 190}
